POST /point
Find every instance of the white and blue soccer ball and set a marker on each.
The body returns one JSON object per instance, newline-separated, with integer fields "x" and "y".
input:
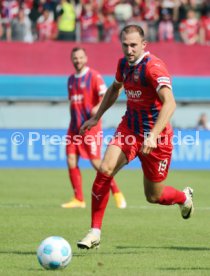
{"x": 54, "y": 253}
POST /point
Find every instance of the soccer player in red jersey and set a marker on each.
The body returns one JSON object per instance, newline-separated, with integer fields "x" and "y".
{"x": 144, "y": 131}
{"x": 86, "y": 89}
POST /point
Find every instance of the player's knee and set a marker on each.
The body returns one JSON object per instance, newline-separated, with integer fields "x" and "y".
{"x": 106, "y": 169}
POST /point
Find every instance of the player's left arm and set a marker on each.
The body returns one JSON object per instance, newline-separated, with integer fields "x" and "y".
{"x": 159, "y": 78}
{"x": 169, "y": 105}
{"x": 163, "y": 118}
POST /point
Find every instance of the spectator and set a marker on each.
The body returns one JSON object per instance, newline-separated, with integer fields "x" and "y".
{"x": 9, "y": 10}
{"x": 27, "y": 5}
{"x": 108, "y": 6}
{"x": 66, "y": 21}
{"x": 46, "y": 27}
{"x": 21, "y": 27}
{"x": 186, "y": 5}
{"x": 172, "y": 6}
{"x": 110, "y": 28}
{"x": 203, "y": 122}
{"x": 150, "y": 11}
{"x": 36, "y": 12}
{"x": 53, "y": 7}
{"x": 204, "y": 32}
{"x": 137, "y": 18}
{"x": 137, "y": 7}
{"x": 89, "y": 21}
{"x": 165, "y": 27}
{"x": 123, "y": 12}
{"x": 189, "y": 28}
{"x": 1, "y": 29}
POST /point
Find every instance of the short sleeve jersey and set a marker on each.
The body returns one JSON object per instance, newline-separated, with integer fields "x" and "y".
{"x": 84, "y": 91}
{"x": 142, "y": 82}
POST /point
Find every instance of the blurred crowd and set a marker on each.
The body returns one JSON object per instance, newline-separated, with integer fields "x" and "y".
{"x": 101, "y": 20}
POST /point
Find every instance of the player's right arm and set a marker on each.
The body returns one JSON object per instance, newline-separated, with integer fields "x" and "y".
{"x": 109, "y": 99}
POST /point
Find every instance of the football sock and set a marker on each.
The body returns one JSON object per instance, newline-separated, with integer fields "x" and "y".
{"x": 114, "y": 187}
{"x": 100, "y": 197}
{"x": 96, "y": 232}
{"x": 171, "y": 196}
{"x": 76, "y": 181}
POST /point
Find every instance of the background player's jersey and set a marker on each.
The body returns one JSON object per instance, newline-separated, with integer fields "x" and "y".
{"x": 84, "y": 91}
{"x": 142, "y": 82}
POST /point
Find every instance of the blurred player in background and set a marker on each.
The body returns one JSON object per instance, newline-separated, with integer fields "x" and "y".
{"x": 86, "y": 89}
{"x": 150, "y": 105}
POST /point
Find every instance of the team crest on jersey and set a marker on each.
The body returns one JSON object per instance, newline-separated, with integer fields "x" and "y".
{"x": 136, "y": 75}
{"x": 82, "y": 84}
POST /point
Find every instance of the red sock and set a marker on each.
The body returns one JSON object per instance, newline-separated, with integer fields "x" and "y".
{"x": 114, "y": 187}
{"x": 172, "y": 196}
{"x": 100, "y": 197}
{"x": 76, "y": 181}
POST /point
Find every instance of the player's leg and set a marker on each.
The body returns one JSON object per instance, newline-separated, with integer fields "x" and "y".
{"x": 117, "y": 194}
{"x": 76, "y": 182}
{"x": 158, "y": 192}
{"x": 155, "y": 167}
{"x": 114, "y": 159}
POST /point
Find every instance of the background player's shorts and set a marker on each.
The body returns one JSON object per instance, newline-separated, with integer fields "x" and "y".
{"x": 87, "y": 146}
{"x": 154, "y": 165}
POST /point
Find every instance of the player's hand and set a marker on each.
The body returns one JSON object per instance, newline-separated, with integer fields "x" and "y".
{"x": 88, "y": 125}
{"x": 149, "y": 144}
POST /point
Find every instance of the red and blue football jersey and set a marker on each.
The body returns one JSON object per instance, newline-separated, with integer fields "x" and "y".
{"x": 85, "y": 91}
{"x": 142, "y": 82}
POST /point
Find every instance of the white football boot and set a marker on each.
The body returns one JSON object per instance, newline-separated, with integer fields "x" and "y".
{"x": 187, "y": 207}
{"x": 89, "y": 241}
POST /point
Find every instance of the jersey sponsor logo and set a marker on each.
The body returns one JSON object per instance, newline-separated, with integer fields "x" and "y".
{"x": 133, "y": 94}
{"x": 76, "y": 98}
{"x": 163, "y": 79}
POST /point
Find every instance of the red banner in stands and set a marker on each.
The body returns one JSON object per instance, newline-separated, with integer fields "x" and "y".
{"x": 53, "y": 58}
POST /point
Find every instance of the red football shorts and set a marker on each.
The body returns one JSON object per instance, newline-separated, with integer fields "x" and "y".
{"x": 87, "y": 146}
{"x": 156, "y": 164}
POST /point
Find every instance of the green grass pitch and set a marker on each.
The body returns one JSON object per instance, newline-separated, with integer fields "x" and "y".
{"x": 143, "y": 239}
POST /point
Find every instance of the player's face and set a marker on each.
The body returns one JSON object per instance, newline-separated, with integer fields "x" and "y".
{"x": 79, "y": 60}
{"x": 133, "y": 46}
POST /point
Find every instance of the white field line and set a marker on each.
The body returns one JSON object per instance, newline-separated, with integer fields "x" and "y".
{"x": 7, "y": 206}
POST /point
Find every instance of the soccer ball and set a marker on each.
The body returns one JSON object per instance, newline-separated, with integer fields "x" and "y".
{"x": 54, "y": 253}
